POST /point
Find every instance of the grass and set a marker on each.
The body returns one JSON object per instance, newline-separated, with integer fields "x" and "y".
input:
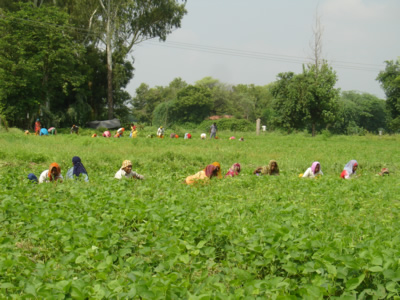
{"x": 268, "y": 237}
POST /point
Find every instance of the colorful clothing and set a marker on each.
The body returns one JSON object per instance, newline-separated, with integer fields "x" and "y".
{"x": 78, "y": 170}
{"x": 47, "y": 176}
{"x": 219, "y": 173}
{"x": 310, "y": 172}
{"x": 234, "y": 170}
{"x": 203, "y": 175}
{"x": 106, "y": 134}
{"x": 43, "y": 131}
{"x": 38, "y": 126}
{"x": 52, "y": 130}
{"x": 122, "y": 173}
{"x": 348, "y": 169}
{"x": 267, "y": 170}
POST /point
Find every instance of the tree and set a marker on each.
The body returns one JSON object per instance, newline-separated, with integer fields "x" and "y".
{"x": 38, "y": 64}
{"x": 306, "y": 98}
{"x": 192, "y": 104}
{"x": 125, "y": 23}
{"x": 390, "y": 83}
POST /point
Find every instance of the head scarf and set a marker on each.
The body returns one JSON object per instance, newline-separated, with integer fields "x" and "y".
{"x": 234, "y": 170}
{"x": 209, "y": 170}
{"x": 126, "y": 163}
{"x": 32, "y": 177}
{"x": 54, "y": 165}
{"x": 349, "y": 167}
{"x": 78, "y": 166}
{"x": 314, "y": 165}
{"x": 219, "y": 173}
{"x": 267, "y": 169}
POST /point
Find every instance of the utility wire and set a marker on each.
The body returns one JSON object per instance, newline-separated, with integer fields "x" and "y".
{"x": 215, "y": 50}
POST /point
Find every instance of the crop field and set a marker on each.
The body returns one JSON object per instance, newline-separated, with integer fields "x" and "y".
{"x": 253, "y": 237}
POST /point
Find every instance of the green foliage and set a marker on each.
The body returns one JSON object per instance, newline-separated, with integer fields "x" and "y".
{"x": 308, "y": 98}
{"x": 279, "y": 237}
{"x": 38, "y": 64}
{"x": 228, "y": 124}
{"x": 390, "y": 82}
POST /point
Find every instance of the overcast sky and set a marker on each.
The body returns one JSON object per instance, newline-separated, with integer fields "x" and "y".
{"x": 250, "y": 42}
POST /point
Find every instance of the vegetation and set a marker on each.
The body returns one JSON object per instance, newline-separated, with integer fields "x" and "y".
{"x": 257, "y": 237}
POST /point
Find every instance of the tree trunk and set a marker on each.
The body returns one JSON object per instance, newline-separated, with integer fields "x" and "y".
{"x": 313, "y": 129}
{"x": 109, "y": 68}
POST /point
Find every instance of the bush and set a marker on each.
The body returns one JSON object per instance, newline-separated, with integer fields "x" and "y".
{"x": 228, "y": 124}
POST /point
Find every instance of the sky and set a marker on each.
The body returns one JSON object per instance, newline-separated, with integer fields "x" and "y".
{"x": 251, "y": 42}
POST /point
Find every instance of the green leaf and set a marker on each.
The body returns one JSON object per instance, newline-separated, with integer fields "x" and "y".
{"x": 184, "y": 258}
{"x": 354, "y": 282}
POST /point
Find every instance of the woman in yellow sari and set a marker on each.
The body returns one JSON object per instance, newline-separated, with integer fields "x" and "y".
{"x": 205, "y": 175}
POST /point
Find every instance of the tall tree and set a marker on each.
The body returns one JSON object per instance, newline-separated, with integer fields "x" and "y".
{"x": 38, "y": 63}
{"x": 125, "y": 23}
{"x": 390, "y": 83}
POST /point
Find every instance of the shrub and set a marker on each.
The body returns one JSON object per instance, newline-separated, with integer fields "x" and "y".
{"x": 229, "y": 124}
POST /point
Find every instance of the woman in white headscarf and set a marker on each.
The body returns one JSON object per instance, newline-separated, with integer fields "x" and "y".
{"x": 349, "y": 170}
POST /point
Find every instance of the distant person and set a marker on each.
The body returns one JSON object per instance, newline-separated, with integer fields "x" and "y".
{"x": 126, "y": 171}
{"x": 160, "y": 132}
{"x": 52, "y": 174}
{"x": 213, "y": 130}
{"x": 383, "y": 172}
{"x": 203, "y": 136}
{"x": 232, "y": 138}
{"x": 121, "y": 131}
{"x": 203, "y": 176}
{"x": 38, "y": 126}
{"x": 27, "y": 132}
{"x": 133, "y": 127}
{"x": 78, "y": 170}
{"x": 75, "y": 129}
{"x": 52, "y": 131}
{"x": 106, "y": 134}
{"x": 187, "y": 136}
{"x": 32, "y": 178}
{"x": 172, "y": 135}
{"x": 241, "y": 139}
{"x": 349, "y": 170}
{"x": 313, "y": 171}
{"x": 233, "y": 171}
{"x": 133, "y": 133}
{"x": 44, "y": 132}
{"x": 271, "y": 169}
{"x": 94, "y": 135}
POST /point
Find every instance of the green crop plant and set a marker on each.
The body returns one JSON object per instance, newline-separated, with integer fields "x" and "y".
{"x": 278, "y": 237}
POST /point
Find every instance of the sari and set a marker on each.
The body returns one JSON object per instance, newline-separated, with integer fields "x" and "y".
{"x": 266, "y": 170}
{"x": 203, "y": 175}
{"x": 54, "y": 165}
{"x": 218, "y": 165}
{"x": 234, "y": 170}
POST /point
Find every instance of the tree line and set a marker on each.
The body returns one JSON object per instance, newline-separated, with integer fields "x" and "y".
{"x": 67, "y": 62}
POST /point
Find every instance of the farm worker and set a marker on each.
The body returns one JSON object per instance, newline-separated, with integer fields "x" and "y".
{"x": 121, "y": 131}
{"x": 126, "y": 171}
{"x": 52, "y": 130}
{"x": 26, "y": 132}
{"x": 133, "y": 134}
{"x": 213, "y": 130}
{"x": 241, "y": 139}
{"x": 172, "y": 135}
{"x": 52, "y": 174}
{"x": 234, "y": 170}
{"x": 187, "y": 136}
{"x": 74, "y": 129}
{"x": 218, "y": 165}
{"x": 160, "y": 132}
{"x": 176, "y": 136}
{"x": 133, "y": 127}
{"x": 78, "y": 170}
{"x": 32, "y": 178}
{"x": 313, "y": 171}
{"x": 204, "y": 175}
{"x": 232, "y": 138}
{"x": 117, "y": 135}
{"x": 349, "y": 169}
{"x": 383, "y": 172}
{"x": 43, "y": 131}
{"x": 38, "y": 126}
{"x": 94, "y": 135}
{"x": 203, "y": 136}
{"x": 271, "y": 169}
{"x": 106, "y": 134}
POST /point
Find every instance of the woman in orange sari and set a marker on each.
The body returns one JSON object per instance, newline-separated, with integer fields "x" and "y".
{"x": 52, "y": 174}
{"x": 205, "y": 175}
{"x": 38, "y": 126}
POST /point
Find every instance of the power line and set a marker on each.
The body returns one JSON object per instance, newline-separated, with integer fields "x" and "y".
{"x": 217, "y": 50}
